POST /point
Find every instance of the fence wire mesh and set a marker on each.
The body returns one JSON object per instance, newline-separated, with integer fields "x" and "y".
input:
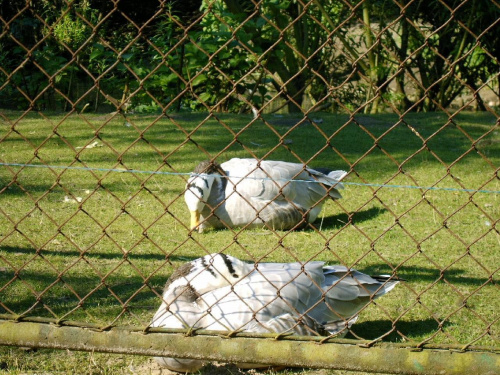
{"x": 107, "y": 107}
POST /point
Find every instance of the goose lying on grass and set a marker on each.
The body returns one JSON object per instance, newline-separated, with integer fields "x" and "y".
{"x": 244, "y": 192}
{"x": 222, "y": 293}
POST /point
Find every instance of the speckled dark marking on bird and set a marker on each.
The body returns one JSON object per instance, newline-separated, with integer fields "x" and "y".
{"x": 188, "y": 293}
{"x": 208, "y": 167}
{"x": 182, "y": 271}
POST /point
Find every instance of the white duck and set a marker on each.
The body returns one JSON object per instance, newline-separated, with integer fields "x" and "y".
{"x": 250, "y": 192}
{"x": 220, "y": 292}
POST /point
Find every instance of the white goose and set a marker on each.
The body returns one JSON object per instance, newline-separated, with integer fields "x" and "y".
{"x": 244, "y": 192}
{"x": 220, "y": 292}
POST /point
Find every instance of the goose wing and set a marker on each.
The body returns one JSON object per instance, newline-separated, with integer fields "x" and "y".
{"x": 276, "y": 180}
{"x": 347, "y": 291}
{"x": 270, "y": 297}
{"x": 276, "y": 192}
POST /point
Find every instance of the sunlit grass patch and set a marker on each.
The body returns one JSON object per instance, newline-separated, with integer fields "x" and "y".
{"x": 76, "y": 244}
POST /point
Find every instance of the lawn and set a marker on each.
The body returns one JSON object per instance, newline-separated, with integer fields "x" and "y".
{"x": 83, "y": 243}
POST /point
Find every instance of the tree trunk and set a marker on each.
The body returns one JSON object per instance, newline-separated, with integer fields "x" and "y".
{"x": 372, "y": 61}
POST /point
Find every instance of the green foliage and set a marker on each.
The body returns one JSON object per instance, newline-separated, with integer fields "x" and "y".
{"x": 71, "y": 32}
{"x": 237, "y": 56}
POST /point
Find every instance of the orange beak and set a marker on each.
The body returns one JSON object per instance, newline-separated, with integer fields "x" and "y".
{"x": 195, "y": 219}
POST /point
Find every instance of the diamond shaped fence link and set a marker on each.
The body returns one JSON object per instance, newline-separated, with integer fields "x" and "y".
{"x": 105, "y": 110}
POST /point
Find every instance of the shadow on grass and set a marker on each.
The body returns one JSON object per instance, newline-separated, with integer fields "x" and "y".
{"x": 373, "y": 329}
{"x": 332, "y": 221}
{"x": 408, "y": 273}
{"x": 340, "y": 220}
{"x": 97, "y": 254}
{"x": 426, "y": 274}
{"x": 44, "y": 294}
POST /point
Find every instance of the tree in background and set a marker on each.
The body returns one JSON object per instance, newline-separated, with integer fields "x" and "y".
{"x": 236, "y": 55}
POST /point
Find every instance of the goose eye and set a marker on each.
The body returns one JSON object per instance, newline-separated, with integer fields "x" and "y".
{"x": 235, "y": 275}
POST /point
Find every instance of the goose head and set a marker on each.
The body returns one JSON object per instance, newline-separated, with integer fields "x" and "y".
{"x": 197, "y": 192}
{"x": 198, "y": 189}
{"x": 210, "y": 272}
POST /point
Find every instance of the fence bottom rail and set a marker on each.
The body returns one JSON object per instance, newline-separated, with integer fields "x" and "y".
{"x": 384, "y": 358}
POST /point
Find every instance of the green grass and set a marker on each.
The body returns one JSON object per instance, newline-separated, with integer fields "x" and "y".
{"x": 445, "y": 243}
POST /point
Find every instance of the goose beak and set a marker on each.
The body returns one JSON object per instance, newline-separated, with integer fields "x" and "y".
{"x": 195, "y": 220}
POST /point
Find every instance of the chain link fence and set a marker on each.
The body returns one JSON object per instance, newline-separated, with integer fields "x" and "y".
{"x": 107, "y": 108}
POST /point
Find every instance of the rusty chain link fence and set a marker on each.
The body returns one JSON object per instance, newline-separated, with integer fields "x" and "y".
{"x": 107, "y": 106}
